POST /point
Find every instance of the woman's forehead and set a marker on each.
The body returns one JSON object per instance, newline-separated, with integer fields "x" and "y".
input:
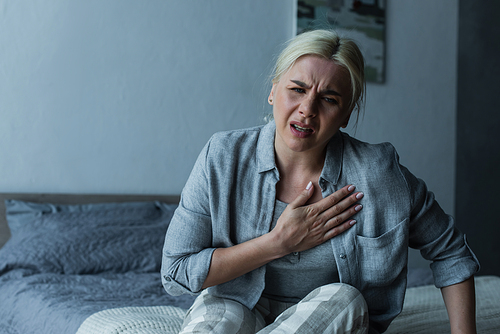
{"x": 314, "y": 70}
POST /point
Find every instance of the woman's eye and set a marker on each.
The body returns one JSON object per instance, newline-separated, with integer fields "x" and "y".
{"x": 330, "y": 100}
{"x": 298, "y": 90}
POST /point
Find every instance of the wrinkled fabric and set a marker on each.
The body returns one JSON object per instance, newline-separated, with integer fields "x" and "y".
{"x": 53, "y": 303}
{"x": 65, "y": 262}
{"x": 229, "y": 199}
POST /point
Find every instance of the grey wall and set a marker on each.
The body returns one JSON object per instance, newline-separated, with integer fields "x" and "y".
{"x": 478, "y": 130}
{"x": 120, "y": 96}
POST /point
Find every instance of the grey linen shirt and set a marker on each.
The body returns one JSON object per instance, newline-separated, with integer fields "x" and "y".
{"x": 229, "y": 199}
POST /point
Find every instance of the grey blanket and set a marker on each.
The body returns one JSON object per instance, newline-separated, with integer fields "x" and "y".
{"x": 55, "y": 303}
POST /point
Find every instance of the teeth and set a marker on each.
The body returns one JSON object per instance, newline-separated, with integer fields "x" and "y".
{"x": 301, "y": 128}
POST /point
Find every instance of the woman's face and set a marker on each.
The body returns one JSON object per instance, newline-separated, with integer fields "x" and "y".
{"x": 310, "y": 104}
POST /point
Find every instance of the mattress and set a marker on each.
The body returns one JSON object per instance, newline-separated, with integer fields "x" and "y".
{"x": 423, "y": 312}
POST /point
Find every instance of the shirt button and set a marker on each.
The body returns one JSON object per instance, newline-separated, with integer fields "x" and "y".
{"x": 343, "y": 256}
{"x": 168, "y": 279}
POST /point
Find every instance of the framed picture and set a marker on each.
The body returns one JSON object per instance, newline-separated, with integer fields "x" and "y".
{"x": 361, "y": 20}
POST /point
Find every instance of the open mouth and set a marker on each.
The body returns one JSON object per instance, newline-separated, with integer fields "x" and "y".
{"x": 301, "y": 129}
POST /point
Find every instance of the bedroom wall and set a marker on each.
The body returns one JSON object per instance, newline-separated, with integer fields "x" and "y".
{"x": 120, "y": 96}
{"x": 478, "y": 121}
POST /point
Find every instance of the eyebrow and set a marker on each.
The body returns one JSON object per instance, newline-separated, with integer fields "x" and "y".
{"x": 327, "y": 92}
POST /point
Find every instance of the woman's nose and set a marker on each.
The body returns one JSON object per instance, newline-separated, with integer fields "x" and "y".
{"x": 308, "y": 108}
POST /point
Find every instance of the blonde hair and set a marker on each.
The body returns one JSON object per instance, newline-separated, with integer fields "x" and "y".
{"x": 327, "y": 44}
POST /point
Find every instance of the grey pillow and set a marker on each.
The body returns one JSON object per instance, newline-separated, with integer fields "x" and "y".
{"x": 86, "y": 238}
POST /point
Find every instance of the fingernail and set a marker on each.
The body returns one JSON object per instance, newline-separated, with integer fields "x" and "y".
{"x": 351, "y": 188}
{"x": 309, "y": 185}
{"x": 359, "y": 195}
{"x": 358, "y": 207}
{"x": 352, "y": 222}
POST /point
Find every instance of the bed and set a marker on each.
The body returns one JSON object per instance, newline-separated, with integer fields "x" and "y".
{"x": 89, "y": 264}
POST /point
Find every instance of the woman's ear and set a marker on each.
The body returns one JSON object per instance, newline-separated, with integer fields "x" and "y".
{"x": 270, "y": 99}
{"x": 344, "y": 125}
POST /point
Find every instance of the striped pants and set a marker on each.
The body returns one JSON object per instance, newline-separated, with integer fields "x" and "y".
{"x": 333, "y": 308}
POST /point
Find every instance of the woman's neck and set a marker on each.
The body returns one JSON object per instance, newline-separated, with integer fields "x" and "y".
{"x": 296, "y": 170}
{"x": 299, "y": 164}
{"x": 307, "y": 162}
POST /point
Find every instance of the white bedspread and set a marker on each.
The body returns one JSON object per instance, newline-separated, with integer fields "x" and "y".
{"x": 423, "y": 312}
{"x": 135, "y": 320}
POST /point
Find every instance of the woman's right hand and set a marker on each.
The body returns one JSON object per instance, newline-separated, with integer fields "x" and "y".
{"x": 301, "y": 227}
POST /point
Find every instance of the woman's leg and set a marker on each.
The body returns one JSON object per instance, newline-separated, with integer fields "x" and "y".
{"x": 210, "y": 314}
{"x": 333, "y": 308}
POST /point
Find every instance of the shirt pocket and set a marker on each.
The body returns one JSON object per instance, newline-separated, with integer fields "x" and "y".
{"x": 382, "y": 259}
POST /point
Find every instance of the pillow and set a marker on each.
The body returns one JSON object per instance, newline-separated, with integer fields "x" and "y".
{"x": 86, "y": 238}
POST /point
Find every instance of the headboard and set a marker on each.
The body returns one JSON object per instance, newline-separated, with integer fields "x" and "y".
{"x": 72, "y": 199}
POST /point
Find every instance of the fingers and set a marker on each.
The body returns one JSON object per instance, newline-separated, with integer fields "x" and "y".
{"x": 343, "y": 217}
{"x": 330, "y": 201}
{"x": 303, "y": 196}
{"x": 336, "y": 218}
{"x": 331, "y": 214}
{"x": 345, "y": 208}
{"x": 304, "y": 226}
{"x": 338, "y": 229}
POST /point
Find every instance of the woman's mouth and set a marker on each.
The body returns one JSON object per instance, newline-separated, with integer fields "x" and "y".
{"x": 301, "y": 131}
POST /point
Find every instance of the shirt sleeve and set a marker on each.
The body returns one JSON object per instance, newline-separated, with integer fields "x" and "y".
{"x": 434, "y": 233}
{"x": 187, "y": 251}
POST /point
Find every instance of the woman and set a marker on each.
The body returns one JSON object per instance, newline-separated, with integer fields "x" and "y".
{"x": 271, "y": 229}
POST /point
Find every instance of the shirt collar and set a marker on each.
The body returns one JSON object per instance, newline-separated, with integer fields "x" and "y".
{"x": 333, "y": 160}
{"x": 265, "y": 148}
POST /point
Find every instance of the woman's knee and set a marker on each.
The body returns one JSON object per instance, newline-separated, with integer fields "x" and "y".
{"x": 211, "y": 314}
{"x": 336, "y": 291}
{"x": 332, "y": 308}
